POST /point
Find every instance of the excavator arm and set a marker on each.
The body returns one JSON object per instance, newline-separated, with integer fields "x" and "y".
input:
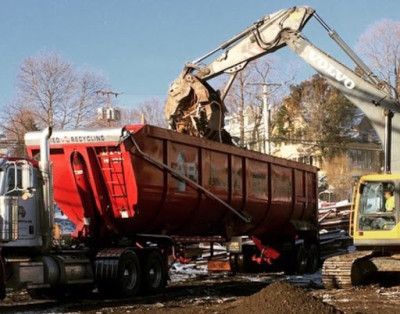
{"x": 264, "y": 36}
{"x": 194, "y": 107}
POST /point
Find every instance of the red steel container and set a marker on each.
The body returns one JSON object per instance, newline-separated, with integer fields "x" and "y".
{"x": 106, "y": 186}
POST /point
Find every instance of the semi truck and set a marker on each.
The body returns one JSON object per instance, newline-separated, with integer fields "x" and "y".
{"x": 138, "y": 195}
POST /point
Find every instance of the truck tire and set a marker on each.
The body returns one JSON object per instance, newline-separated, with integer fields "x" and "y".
{"x": 296, "y": 261}
{"x": 153, "y": 273}
{"x": 129, "y": 274}
{"x": 313, "y": 259}
{"x": 2, "y": 279}
{"x": 233, "y": 263}
{"x": 301, "y": 259}
{"x": 242, "y": 262}
{"x": 46, "y": 293}
{"x": 2, "y": 291}
{"x": 238, "y": 263}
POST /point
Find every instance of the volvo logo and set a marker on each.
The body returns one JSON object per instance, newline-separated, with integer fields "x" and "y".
{"x": 327, "y": 67}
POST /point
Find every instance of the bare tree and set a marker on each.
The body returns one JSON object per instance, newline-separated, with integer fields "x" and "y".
{"x": 236, "y": 100}
{"x": 87, "y": 99}
{"x": 380, "y": 45}
{"x": 17, "y": 121}
{"x": 247, "y": 92}
{"x": 58, "y": 94}
{"x": 151, "y": 111}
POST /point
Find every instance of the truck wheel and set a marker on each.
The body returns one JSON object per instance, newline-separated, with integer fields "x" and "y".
{"x": 313, "y": 259}
{"x": 46, "y": 293}
{"x": 2, "y": 287}
{"x": 301, "y": 259}
{"x": 2, "y": 291}
{"x": 2, "y": 280}
{"x": 233, "y": 263}
{"x": 242, "y": 262}
{"x": 296, "y": 261}
{"x": 128, "y": 278}
{"x": 238, "y": 263}
{"x": 154, "y": 273}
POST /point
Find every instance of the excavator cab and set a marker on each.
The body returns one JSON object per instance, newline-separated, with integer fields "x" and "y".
{"x": 376, "y": 215}
{"x": 378, "y": 205}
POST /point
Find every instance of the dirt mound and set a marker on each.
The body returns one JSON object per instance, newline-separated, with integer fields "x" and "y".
{"x": 281, "y": 298}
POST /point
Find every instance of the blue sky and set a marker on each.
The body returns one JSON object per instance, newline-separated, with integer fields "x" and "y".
{"x": 142, "y": 45}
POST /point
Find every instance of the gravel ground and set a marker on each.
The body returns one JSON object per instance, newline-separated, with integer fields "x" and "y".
{"x": 194, "y": 291}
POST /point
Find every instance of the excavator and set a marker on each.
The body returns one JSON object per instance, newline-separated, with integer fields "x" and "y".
{"x": 194, "y": 107}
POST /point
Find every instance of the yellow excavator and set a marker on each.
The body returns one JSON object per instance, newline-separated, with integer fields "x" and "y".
{"x": 375, "y": 228}
{"x": 195, "y": 108}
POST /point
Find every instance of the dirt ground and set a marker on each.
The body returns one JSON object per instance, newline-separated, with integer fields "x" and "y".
{"x": 201, "y": 293}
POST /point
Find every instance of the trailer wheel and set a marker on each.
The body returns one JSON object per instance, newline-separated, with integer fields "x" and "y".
{"x": 233, "y": 263}
{"x": 46, "y": 293}
{"x": 242, "y": 262}
{"x": 154, "y": 273}
{"x": 296, "y": 261}
{"x": 2, "y": 280}
{"x": 313, "y": 259}
{"x": 301, "y": 259}
{"x": 2, "y": 291}
{"x": 128, "y": 277}
{"x": 238, "y": 263}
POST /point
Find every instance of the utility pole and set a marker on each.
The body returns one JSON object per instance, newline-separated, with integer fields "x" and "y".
{"x": 108, "y": 113}
{"x": 266, "y": 113}
{"x": 107, "y": 93}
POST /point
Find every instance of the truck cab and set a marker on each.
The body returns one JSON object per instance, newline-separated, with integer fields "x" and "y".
{"x": 20, "y": 199}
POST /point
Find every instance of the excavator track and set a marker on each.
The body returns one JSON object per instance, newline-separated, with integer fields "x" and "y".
{"x": 337, "y": 270}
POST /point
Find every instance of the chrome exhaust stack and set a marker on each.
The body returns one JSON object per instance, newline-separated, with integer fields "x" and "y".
{"x": 47, "y": 216}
